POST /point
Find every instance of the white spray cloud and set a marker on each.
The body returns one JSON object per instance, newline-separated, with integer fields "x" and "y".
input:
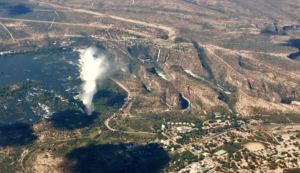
{"x": 93, "y": 67}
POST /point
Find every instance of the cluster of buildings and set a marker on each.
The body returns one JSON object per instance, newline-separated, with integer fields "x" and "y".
{"x": 196, "y": 167}
{"x": 205, "y": 154}
{"x": 183, "y": 129}
{"x": 180, "y": 123}
{"x": 219, "y": 123}
{"x": 179, "y": 127}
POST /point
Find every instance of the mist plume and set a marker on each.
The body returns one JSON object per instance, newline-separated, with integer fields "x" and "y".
{"x": 93, "y": 67}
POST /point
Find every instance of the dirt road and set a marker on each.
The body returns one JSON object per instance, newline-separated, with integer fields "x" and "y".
{"x": 8, "y": 32}
{"x": 171, "y": 31}
{"x": 75, "y": 24}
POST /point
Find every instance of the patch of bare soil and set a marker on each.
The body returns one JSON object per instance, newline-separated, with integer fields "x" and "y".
{"x": 244, "y": 163}
{"x": 44, "y": 163}
{"x": 254, "y": 146}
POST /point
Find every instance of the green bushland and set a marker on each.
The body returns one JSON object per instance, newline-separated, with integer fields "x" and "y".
{"x": 14, "y": 157}
{"x": 110, "y": 96}
{"x": 10, "y": 92}
{"x": 230, "y": 99}
{"x": 204, "y": 60}
{"x": 139, "y": 51}
{"x": 46, "y": 96}
{"x": 207, "y": 26}
{"x": 293, "y": 170}
{"x": 231, "y": 148}
{"x": 275, "y": 116}
{"x": 178, "y": 160}
{"x": 12, "y": 111}
{"x": 180, "y": 40}
{"x": 263, "y": 136}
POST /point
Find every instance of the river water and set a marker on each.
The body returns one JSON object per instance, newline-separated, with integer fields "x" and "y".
{"x": 52, "y": 70}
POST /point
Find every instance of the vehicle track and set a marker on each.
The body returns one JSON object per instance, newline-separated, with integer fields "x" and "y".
{"x": 12, "y": 37}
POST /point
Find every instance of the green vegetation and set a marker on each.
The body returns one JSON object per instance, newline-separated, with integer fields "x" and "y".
{"x": 178, "y": 160}
{"x": 163, "y": 36}
{"x": 110, "y": 97}
{"x": 294, "y": 170}
{"x": 231, "y": 148}
{"x": 12, "y": 111}
{"x": 10, "y": 92}
{"x": 207, "y": 26}
{"x": 14, "y": 157}
{"x": 230, "y": 99}
{"x": 30, "y": 157}
{"x": 139, "y": 51}
{"x": 180, "y": 40}
{"x": 204, "y": 60}
{"x": 268, "y": 138}
{"x": 44, "y": 97}
{"x": 275, "y": 117}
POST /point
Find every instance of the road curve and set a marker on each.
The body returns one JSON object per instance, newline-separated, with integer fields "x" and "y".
{"x": 171, "y": 31}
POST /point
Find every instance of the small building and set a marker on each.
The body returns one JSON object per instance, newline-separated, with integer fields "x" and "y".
{"x": 163, "y": 127}
{"x": 221, "y": 152}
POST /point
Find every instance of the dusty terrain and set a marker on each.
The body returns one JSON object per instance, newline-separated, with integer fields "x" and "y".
{"x": 184, "y": 58}
{"x": 44, "y": 163}
{"x": 254, "y": 146}
{"x": 247, "y": 51}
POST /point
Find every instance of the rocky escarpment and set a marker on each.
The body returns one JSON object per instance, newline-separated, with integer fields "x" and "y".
{"x": 202, "y": 97}
{"x": 161, "y": 87}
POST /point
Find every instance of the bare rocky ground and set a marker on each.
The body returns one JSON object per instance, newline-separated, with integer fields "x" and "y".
{"x": 246, "y": 49}
{"x": 247, "y": 70}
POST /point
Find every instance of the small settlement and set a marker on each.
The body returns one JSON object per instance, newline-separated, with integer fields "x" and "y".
{"x": 248, "y": 147}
